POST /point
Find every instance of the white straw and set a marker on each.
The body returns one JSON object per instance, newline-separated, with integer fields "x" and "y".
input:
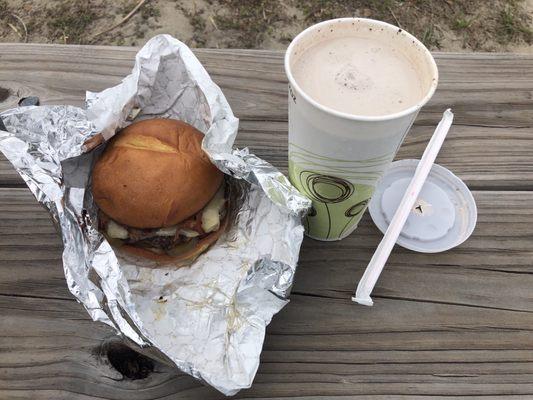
{"x": 376, "y": 264}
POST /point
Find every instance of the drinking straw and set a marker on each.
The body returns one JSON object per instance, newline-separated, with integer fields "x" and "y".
{"x": 377, "y": 263}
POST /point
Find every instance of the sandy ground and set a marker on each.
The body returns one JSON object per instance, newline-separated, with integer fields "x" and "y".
{"x": 524, "y": 47}
{"x": 449, "y": 25}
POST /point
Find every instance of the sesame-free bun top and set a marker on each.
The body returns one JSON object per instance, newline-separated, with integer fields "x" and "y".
{"x": 153, "y": 174}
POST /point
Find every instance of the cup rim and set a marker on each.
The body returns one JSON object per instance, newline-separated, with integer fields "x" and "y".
{"x": 356, "y": 117}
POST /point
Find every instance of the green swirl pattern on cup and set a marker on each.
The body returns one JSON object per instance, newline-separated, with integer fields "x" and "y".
{"x": 339, "y": 189}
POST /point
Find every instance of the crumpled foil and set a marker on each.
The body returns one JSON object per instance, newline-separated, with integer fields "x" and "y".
{"x": 209, "y": 319}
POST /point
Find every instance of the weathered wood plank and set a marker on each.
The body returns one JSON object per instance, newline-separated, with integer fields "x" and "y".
{"x": 34, "y": 361}
{"x": 491, "y": 96}
{"x": 500, "y": 248}
{"x": 485, "y": 158}
{"x": 458, "y": 323}
{"x": 255, "y": 83}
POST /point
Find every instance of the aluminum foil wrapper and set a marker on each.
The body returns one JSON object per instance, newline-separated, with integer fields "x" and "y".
{"x": 209, "y": 319}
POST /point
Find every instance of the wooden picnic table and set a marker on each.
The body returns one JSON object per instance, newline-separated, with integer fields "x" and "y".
{"x": 459, "y": 323}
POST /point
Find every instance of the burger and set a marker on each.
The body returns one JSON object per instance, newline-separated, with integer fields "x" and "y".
{"x": 159, "y": 196}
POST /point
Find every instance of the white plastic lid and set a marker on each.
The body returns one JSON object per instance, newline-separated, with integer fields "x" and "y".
{"x": 443, "y": 217}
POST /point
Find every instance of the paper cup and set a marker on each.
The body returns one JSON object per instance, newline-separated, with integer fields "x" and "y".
{"x": 337, "y": 158}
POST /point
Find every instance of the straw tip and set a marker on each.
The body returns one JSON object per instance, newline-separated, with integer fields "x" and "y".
{"x": 366, "y": 301}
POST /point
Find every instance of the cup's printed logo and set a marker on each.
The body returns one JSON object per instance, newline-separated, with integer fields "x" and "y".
{"x": 339, "y": 189}
{"x": 291, "y": 93}
{"x": 326, "y": 191}
{"x": 325, "y": 188}
{"x": 356, "y": 209}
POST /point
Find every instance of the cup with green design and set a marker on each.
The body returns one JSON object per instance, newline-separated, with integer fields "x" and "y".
{"x": 336, "y": 158}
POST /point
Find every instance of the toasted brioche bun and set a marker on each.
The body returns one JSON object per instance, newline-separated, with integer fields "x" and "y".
{"x": 154, "y": 174}
{"x": 183, "y": 259}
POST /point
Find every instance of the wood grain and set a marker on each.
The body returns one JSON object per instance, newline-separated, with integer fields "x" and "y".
{"x": 449, "y": 326}
{"x": 491, "y": 95}
{"x": 458, "y": 323}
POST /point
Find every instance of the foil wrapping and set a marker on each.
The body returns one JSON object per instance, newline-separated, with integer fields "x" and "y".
{"x": 210, "y": 318}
